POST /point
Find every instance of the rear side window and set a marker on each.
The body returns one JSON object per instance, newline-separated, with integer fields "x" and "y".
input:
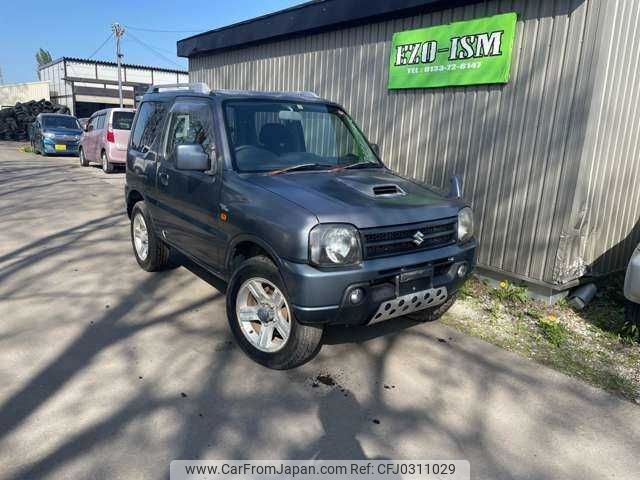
{"x": 100, "y": 123}
{"x": 147, "y": 126}
{"x": 122, "y": 120}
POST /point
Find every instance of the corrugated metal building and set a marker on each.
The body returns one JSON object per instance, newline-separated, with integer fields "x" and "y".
{"x": 549, "y": 160}
{"x": 86, "y": 86}
{"x": 23, "y": 92}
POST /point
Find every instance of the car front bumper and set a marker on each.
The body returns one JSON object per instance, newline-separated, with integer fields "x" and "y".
{"x": 71, "y": 148}
{"x": 322, "y": 296}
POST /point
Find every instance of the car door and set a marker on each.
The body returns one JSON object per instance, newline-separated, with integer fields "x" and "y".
{"x": 191, "y": 198}
{"x": 87, "y": 141}
{"x": 96, "y": 139}
{"x": 142, "y": 155}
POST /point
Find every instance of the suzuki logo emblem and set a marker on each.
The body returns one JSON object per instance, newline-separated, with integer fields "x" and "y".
{"x": 418, "y": 237}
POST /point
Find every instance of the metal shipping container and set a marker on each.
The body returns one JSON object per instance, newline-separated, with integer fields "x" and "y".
{"x": 549, "y": 160}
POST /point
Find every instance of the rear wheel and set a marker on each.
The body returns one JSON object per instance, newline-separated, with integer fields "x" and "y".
{"x": 431, "y": 314}
{"x": 262, "y": 321}
{"x": 107, "y": 166}
{"x": 150, "y": 252}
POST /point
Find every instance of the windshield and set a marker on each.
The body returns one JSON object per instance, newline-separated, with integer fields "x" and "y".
{"x": 62, "y": 121}
{"x": 265, "y": 136}
{"x": 122, "y": 120}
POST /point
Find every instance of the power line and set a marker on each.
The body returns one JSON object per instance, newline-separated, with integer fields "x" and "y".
{"x": 162, "y": 31}
{"x": 101, "y": 45}
{"x": 153, "y": 49}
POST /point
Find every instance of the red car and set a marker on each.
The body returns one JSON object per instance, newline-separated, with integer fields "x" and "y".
{"x": 105, "y": 138}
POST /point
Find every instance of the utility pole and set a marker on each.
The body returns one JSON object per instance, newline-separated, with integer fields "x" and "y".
{"x": 1, "y": 79}
{"x": 118, "y": 31}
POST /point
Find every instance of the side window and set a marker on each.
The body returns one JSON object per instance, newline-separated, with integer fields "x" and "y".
{"x": 190, "y": 123}
{"x": 92, "y": 123}
{"x": 147, "y": 126}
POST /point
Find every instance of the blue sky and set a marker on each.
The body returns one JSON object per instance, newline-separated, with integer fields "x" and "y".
{"x": 77, "y": 29}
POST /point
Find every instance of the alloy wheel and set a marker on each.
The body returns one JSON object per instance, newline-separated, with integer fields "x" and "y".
{"x": 263, "y": 314}
{"x": 140, "y": 237}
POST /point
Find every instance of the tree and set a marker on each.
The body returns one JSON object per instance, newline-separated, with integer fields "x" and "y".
{"x": 43, "y": 57}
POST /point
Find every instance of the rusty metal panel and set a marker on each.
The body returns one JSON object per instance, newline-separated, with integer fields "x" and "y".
{"x": 518, "y": 146}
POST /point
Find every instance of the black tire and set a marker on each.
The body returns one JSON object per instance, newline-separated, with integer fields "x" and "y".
{"x": 83, "y": 160}
{"x": 107, "y": 166}
{"x": 304, "y": 340}
{"x": 432, "y": 314}
{"x": 158, "y": 253}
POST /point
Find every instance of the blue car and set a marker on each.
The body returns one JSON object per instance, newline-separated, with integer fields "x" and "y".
{"x": 54, "y": 133}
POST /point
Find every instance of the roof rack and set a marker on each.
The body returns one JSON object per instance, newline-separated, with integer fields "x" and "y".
{"x": 194, "y": 87}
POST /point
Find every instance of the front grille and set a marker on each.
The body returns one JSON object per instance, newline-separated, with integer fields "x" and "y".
{"x": 388, "y": 241}
{"x": 65, "y": 138}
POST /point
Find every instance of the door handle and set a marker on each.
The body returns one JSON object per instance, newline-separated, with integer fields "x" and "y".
{"x": 164, "y": 178}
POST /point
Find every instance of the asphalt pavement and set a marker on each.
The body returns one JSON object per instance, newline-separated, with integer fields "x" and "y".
{"x": 107, "y": 371}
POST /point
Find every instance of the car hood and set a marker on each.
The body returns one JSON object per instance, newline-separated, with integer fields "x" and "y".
{"x": 62, "y": 131}
{"x": 348, "y": 197}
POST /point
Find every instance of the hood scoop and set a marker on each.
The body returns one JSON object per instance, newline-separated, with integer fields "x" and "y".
{"x": 374, "y": 190}
{"x": 388, "y": 191}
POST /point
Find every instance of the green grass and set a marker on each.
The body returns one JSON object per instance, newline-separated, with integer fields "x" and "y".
{"x": 26, "y": 149}
{"x": 589, "y": 345}
{"x": 554, "y": 332}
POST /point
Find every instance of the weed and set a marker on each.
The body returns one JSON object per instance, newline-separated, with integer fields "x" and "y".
{"x": 555, "y": 333}
{"x": 26, "y": 149}
{"x": 510, "y": 292}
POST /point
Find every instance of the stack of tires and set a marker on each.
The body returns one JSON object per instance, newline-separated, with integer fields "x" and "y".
{"x": 15, "y": 121}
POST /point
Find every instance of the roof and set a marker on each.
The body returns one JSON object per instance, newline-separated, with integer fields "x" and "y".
{"x": 240, "y": 95}
{"x": 311, "y": 17}
{"x": 112, "y": 64}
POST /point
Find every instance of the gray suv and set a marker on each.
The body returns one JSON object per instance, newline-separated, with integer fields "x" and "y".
{"x": 282, "y": 196}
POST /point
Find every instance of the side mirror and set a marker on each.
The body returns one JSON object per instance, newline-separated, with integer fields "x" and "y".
{"x": 376, "y": 148}
{"x": 192, "y": 157}
{"x": 456, "y": 187}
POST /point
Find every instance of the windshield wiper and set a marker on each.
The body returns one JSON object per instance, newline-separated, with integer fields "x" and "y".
{"x": 302, "y": 166}
{"x": 362, "y": 164}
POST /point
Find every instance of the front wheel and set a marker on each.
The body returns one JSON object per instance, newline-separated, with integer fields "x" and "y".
{"x": 83, "y": 160}
{"x": 152, "y": 255}
{"x": 107, "y": 166}
{"x": 262, "y": 321}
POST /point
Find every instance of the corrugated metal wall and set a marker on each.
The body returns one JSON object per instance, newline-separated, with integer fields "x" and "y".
{"x": 23, "y": 92}
{"x": 604, "y": 227}
{"x": 517, "y": 145}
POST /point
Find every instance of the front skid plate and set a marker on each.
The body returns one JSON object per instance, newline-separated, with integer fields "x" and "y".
{"x": 410, "y": 303}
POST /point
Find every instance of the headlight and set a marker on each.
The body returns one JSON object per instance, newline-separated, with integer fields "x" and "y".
{"x": 465, "y": 224}
{"x": 49, "y": 135}
{"x": 334, "y": 245}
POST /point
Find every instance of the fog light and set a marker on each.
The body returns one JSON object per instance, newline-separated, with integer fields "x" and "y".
{"x": 356, "y": 295}
{"x": 462, "y": 270}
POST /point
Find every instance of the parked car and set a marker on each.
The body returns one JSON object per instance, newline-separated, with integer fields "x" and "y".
{"x": 54, "y": 133}
{"x": 106, "y": 137}
{"x": 282, "y": 196}
{"x": 632, "y": 289}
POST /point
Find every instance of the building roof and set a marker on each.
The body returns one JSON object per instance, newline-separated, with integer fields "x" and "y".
{"x": 310, "y": 17}
{"x": 113, "y": 64}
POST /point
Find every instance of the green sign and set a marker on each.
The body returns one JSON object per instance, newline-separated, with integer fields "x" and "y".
{"x": 462, "y": 53}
